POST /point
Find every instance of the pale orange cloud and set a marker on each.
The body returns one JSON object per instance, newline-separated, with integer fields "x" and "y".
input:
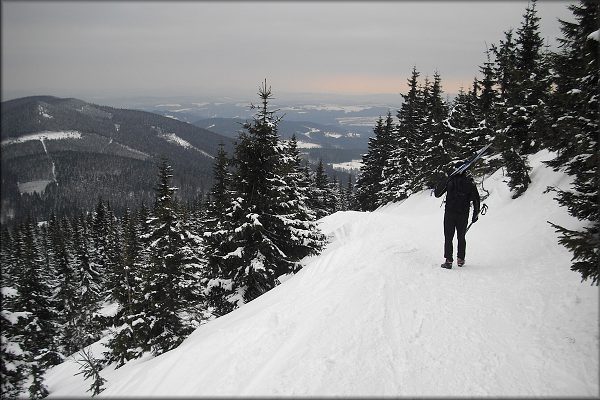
{"x": 357, "y": 84}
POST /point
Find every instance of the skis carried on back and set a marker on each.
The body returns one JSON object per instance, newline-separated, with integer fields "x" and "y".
{"x": 470, "y": 161}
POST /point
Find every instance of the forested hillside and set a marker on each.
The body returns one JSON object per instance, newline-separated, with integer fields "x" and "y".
{"x": 61, "y": 155}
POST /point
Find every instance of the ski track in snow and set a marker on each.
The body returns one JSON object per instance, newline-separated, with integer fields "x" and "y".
{"x": 375, "y": 315}
{"x": 51, "y": 160}
{"x": 173, "y": 138}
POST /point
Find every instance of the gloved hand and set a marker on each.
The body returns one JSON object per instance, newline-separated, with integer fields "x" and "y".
{"x": 475, "y": 218}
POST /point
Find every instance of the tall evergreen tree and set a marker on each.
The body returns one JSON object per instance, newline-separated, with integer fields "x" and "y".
{"x": 114, "y": 254}
{"x": 217, "y": 227}
{"x": 90, "y": 284}
{"x": 511, "y": 129}
{"x": 99, "y": 246}
{"x": 13, "y": 366}
{"x": 524, "y": 79}
{"x": 349, "y": 194}
{"x": 576, "y": 110}
{"x": 300, "y": 235}
{"x": 400, "y": 170}
{"x": 171, "y": 281}
{"x": 532, "y": 75}
{"x": 439, "y": 143}
{"x": 126, "y": 342}
{"x": 323, "y": 198}
{"x": 66, "y": 292}
{"x": 369, "y": 180}
{"x": 266, "y": 218}
{"x": 34, "y": 301}
{"x": 487, "y": 97}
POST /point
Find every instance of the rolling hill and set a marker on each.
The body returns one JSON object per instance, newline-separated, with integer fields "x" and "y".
{"x": 62, "y": 154}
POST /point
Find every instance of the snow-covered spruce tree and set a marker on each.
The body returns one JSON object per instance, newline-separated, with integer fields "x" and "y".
{"x": 90, "y": 285}
{"x": 33, "y": 300}
{"x": 349, "y": 194}
{"x": 323, "y": 198}
{"x": 510, "y": 129}
{"x": 217, "y": 223}
{"x": 344, "y": 194}
{"x": 484, "y": 96}
{"x": 98, "y": 245}
{"x": 220, "y": 194}
{"x": 523, "y": 113}
{"x": 338, "y": 190}
{"x": 48, "y": 274}
{"x": 125, "y": 342}
{"x": 486, "y": 100}
{"x": 265, "y": 237}
{"x": 66, "y": 288}
{"x": 171, "y": 279}
{"x": 131, "y": 327}
{"x": 368, "y": 182}
{"x": 576, "y": 110}
{"x": 303, "y": 177}
{"x": 301, "y": 236}
{"x": 398, "y": 180}
{"x": 532, "y": 76}
{"x": 438, "y": 145}
{"x": 423, "y": 133}
{"x": 13, "y": 365}
{"x": 115, "y": 272}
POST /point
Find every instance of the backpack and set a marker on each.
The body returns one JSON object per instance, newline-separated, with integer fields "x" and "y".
{"x": 459, "y": 193}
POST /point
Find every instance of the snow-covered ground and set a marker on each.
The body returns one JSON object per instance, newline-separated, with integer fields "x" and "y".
{"x": 375, "y": 315}
{"x": 46, "y": 135}
{"x": 351, "y": 166}
{"x": 31, "y": 187}
{"x": 307, "y": 145}
{"x": 173, "y": 138}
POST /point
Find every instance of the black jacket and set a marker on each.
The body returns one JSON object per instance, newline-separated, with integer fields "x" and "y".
{"x": 461, "y": 192}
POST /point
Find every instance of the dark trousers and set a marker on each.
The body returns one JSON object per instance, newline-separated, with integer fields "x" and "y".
{"x": 455, "y": 222}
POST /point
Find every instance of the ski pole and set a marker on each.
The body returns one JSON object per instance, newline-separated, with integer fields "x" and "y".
{"x": 482, "y": 212}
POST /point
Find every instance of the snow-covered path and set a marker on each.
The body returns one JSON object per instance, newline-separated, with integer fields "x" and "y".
{"x": 375, "y": 315}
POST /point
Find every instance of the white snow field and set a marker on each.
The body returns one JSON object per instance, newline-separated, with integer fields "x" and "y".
{"x": 375, "y": 315}
{"x": 45, "y": 135}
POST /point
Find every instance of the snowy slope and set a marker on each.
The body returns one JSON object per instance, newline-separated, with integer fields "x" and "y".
{"x": 375, "y": 315}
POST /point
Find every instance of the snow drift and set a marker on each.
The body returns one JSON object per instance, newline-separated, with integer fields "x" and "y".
{"x": 375, "y": 315}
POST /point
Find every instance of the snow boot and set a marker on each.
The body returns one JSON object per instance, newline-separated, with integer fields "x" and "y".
{"x": 460, "y": 262}
{"x": 447, "y": 264}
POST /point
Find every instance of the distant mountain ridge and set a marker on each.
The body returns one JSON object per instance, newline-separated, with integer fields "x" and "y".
{"x": 332, "y": 144}
{"x": 308, "y": 133}
{"x": 62, "y": 154}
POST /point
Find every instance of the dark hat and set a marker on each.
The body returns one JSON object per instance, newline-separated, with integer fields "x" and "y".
{"x": 457, "y": 163}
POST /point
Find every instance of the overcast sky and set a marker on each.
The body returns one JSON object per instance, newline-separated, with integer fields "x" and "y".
{"x": 227, "y": 48}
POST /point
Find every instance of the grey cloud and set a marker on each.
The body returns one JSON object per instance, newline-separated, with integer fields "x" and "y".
{"x": 183, "y": 47}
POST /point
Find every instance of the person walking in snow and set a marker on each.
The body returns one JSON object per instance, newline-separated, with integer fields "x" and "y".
{"x": 461, "y": 192}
